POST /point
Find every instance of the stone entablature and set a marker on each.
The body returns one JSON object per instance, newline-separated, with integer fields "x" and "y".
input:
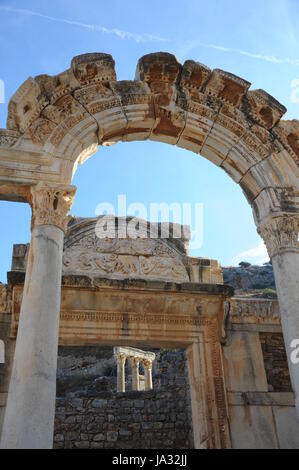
{"x": 135, "y": 356}
{"x": 254, "y": 311}
{"x": 134, "y": 352}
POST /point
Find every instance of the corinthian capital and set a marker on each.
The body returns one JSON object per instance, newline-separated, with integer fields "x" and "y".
{"x": 51, "y": 205}
{"x": 148, "y": 364}
{"x": 120, "y": 358}
{"x": 134, "y": 361}
{"x": 280, "y": 233}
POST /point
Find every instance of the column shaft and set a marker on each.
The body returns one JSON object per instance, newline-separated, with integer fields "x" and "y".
{"x": 286, "y": 271}
{"x": 121, "y": 379}
{"x": 30, "y": 410}
{"x": 280, "y": 233}
{"x": 135, "y": 374}
{"x": 148, "y": 378}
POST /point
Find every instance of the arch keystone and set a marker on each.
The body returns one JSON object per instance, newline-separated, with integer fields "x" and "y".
{"x": 157, "y": 67}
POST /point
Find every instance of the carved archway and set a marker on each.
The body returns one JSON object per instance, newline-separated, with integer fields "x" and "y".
{"x": 56, "y": 123}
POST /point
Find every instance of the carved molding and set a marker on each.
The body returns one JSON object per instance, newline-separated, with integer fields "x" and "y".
{"x": 8, "y": 138}
{"x": 128, "y": 351}
{"x": 280, "y": 233}
{"x": 98, "y": 316}
{"x": 50, "y": 206}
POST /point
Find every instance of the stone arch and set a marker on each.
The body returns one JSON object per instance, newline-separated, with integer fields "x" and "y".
{"x": 55, "y": 123}
{"x": 63, "y": 119}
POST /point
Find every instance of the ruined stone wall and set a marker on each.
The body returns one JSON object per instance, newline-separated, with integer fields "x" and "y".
{"x": 275, "y": 360}
{"x": 91, "y": 414}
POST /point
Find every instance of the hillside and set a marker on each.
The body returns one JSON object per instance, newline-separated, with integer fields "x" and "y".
{"x": 257, "y": 281}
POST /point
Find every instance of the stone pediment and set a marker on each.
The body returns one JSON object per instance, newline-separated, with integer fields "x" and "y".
{"x": 158, "y": 259}
{"x": 119, "y": 258}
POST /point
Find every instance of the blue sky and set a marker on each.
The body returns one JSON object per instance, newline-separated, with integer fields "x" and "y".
{"x": 257, "y": 40}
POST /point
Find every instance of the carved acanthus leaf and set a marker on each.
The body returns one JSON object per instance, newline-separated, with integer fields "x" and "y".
{"x": 50, "y": 206}
{"x": 280, "y": 233}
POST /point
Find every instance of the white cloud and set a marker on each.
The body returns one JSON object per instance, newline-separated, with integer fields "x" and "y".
{"x": 257, "y": 255}
{"x": 91, "y": 27}
{"x": 266, "y": 58}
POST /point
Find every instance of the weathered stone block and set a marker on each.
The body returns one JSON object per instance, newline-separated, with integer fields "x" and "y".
{"x": 287, "y": 426}
{"x": 244, "y": 423}
{"x": 243, "y": 363}
{"x": 112, "y": 436}
{"x": 99, "y": 403}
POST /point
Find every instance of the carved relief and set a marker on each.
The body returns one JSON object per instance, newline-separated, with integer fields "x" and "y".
{"x": 255, "y": 311}
{"x": 8, "y": 138}
{"x": 93, "y": 67}
{"x": 5, "y": 299}
{"x": 138, "y": 258}
{"x": 263, "y": 108}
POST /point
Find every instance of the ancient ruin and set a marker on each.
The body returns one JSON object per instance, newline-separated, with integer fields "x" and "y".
{"x": 135, "y": 356}
{"x": 54, "y": 124}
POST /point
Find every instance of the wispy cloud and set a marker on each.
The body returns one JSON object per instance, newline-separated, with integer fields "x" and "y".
{"x": 266, "y": 58}
{"x": 295, "y": 91}
{"x": 257, "y": 255}
{"x": 90, "y": 27}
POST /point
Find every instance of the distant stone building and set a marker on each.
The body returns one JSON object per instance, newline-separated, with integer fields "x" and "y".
{"x": 220, "y": 378}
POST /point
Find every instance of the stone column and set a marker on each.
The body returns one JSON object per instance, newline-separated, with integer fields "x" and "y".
{"x": 134, "y": 361}
{"x": 121, "y": 380}
{"x": 280, "y": 234}
{"x": 30, "y": 410}
{"x": 148, "y": 374}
